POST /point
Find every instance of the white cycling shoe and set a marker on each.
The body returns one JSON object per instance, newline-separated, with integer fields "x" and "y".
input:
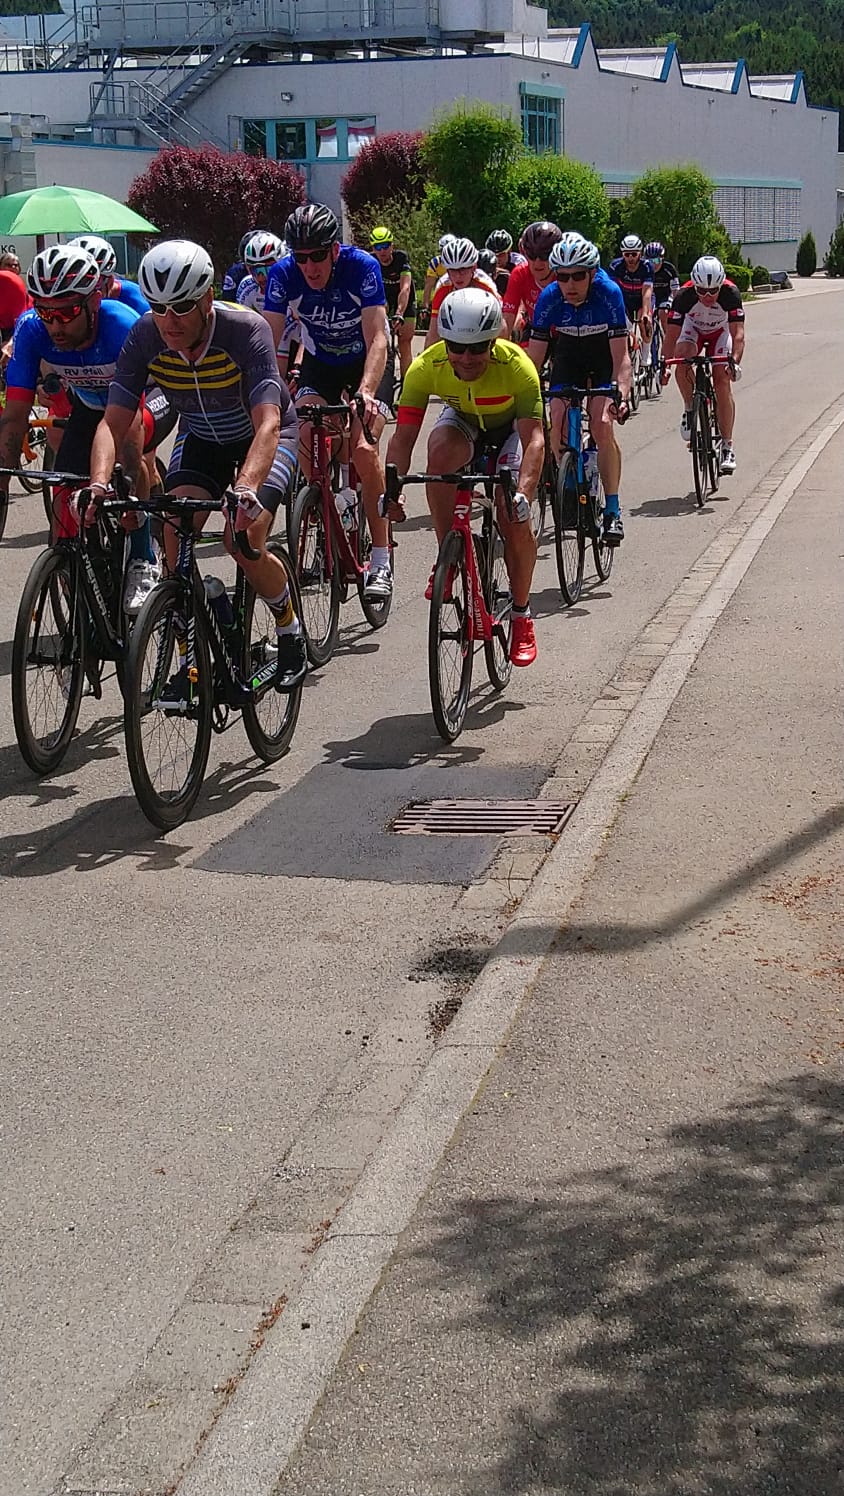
{"x": 141, "y": 577}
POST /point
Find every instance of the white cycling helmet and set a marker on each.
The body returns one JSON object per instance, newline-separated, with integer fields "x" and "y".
{"x": 102, "y": 251}
{"x": 708, "y": 274}
{"x": 459, "y": 254}
{"x": 632, "y": 244}
{"x": 63, "y": 270}
{"x": 471, "y": 316}
{"x": 176, "y": 270}
{"x": 444, "y": 239}
{"x": 574, "y": 253}
{"x": 261, "y": 250}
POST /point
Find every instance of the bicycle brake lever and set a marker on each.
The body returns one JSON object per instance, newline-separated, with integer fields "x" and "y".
{"x": 360, "y": 409}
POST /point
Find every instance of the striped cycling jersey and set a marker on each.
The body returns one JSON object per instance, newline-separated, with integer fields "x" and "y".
{"x": 507, "y": 391}
{"x": 214, "y": 395}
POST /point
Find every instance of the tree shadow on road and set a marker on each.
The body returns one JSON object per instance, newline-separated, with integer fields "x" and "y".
{"x": 687, "y": 1310}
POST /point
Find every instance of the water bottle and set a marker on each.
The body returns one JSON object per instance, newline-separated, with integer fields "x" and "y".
{"x": 346, "y": 503}
{"x": 590, "y": 470}
{"x": 215, "y": 591}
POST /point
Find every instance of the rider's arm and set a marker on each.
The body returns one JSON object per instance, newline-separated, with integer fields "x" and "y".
{"x": 672, "y": 333}
{"x": 737, "y": 332}
{"x": 21, "y": 380}
{"x": 622, "y": 371}
{"x": 374, "y": 328}
{"x": 532, "y": 438}
{"x": 109, "y": 438}
{"x": 259, "y": 459}
{"x": 13, "y": 426}
{"x": 400, "y": 449}
{"x": 275, "y": 303}
{"x": 537, "y": 349}
{"x": 405, "y": 283}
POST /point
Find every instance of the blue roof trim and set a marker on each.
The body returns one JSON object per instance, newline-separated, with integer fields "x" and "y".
{"x": 799, "y": 82}
{"x": 741, "y": 69}
{"x": 580, "y": 45}
{"x": 668, "y": 62}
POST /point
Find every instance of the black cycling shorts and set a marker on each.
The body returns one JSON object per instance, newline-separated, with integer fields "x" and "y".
{"x": 336, "y": 382}
{"x": 212, "y": 466}
{"x": 578, "y": 365}
{"x": 74, "y": 454}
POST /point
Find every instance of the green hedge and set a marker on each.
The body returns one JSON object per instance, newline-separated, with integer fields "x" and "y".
{"x": 760, "y": 275}
{"x": 740, "y": 276}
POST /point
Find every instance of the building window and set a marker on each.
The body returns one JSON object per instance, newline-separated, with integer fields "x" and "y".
{"x": 541, "y": 123}
{"x": 760, "y": 215}
{"x": 618, "y": 189}
{"x": 361, "y": 132}
{"x": 290, "y": 140}
{"x": 307, "y": 140}
{"x": 255, "y": 137}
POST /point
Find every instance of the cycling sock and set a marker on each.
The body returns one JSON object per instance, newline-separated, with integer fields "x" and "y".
{"x": 281, "y": 607}
{"x": 344, "y": 475}
{"x": 380, "y": 558}
{"x": 646, "y": 353}
{"x": 521, "y": 612}
{"x": 140, "y": 543}
{"x": 611, "y": 504}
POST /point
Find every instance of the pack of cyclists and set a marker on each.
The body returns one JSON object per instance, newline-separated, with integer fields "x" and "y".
{"x": 304, "y": 318}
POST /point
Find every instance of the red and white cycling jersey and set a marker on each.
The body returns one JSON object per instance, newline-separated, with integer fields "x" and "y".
{"x": 705, "y": 321}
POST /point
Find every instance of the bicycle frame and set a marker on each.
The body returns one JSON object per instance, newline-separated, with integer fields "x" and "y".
{"x": 321, "y": 455}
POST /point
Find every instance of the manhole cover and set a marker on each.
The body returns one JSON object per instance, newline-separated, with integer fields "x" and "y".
{"x": 483, "y": 818}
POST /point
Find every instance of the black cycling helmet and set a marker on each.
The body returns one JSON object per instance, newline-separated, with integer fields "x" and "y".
{"x": 499, "y": 241}
{"x": 312, "y": 226}
{"x": 539, "y": 239}
{"x": 487, "y": 261}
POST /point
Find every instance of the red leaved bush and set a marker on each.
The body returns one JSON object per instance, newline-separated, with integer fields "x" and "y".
{"x": 213, "y": 197}
{"x": 390, "y": 166}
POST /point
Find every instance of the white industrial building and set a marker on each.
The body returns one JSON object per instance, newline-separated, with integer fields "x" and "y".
{"x": 310, "y": 82}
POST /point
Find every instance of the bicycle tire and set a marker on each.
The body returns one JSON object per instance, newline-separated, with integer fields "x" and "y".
{"x": 450, "y": 714}
{"x": 159, "y": 612}
{"x": 36, "y": 442}
{"x": 714, "y": 448}
{"x": 4, "y": 512}
{"x": 602, "y": 554}
{"x": 699, "y": 441}
{"x": 569, "y": 539}
{"x": 375, "y": 613}
{"x": 284, "y": 707}
{"x": 50, "y": 577}
{"x": 321, "y": 624}
{"x": 499, "y": 603}
{"x": 635, "y": 390}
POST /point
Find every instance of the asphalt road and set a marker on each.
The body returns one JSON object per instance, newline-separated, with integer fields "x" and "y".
{"x": 194, "y": 1022}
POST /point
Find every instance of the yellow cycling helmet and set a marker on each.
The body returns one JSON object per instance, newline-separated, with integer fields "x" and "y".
{"x": 380, "y": 236}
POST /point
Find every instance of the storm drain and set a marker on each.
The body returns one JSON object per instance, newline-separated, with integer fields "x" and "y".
{"x": 483, "y": 818}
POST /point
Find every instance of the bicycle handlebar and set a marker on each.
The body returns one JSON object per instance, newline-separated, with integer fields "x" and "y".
{"x": 700, "y": 358}
{"x": 314, "y": 414}
{"x": 574, "y": 392}
{"x": 394, "y": 483}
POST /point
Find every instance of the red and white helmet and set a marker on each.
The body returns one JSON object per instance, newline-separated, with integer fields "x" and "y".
{"x": 63, "y": 270}
{"x": 262, "y": 250}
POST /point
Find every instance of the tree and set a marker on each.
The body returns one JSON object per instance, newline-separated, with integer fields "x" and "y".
{"x": 675, "y": 204}
{"x": 467, "y": 154}
{"x": 834, "y": 262}
{"x": 569, "y": 193}
{"x": 388, "y": 167}
{"x": 183, "y": 192}
{"x": 807, "y": 255}
{"x": 414, "y": 227}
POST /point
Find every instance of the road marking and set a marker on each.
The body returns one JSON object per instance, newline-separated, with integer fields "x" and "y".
{"x": 260, "y": 1429}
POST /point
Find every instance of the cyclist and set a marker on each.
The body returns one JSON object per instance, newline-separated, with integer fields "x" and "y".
{"x": 112, "y": 286}
{"x": 634, "y": 276}
{"x": 527, "y": 281}
{"x": 460, "y": 263}
{"x": 217, "y": 364}
{"x": 500, "y": 242}
{"x": 397, "y": 275}
{"x": 337, "y": 293}
{"x": 585, "y": 309}
{"x": 239, "y": 270}
{"x": 434, "y": 272}
{"x": 666, "y": 280}
{"x": 707, "y": 316}
{"x": 493, "y": 409}
{"x": 74, "y": 334}
{"x": 259, "y": 255}
{"x": 14, "y": 300}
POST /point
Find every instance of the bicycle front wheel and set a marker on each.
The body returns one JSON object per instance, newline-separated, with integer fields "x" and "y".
{"x": 602, "y": 553}
{"x": 701, "y": 445}
{"x": 569, "y": 539}
{"x": 48, "y": 662}
{"x": 499, "y": 603}
{"x": 270, "y": 719}
{"x": 450, "y": 646}
{"x": 714, "y": 450}
{"x": 167, "y": 719}
{"x": 320, "y": 590}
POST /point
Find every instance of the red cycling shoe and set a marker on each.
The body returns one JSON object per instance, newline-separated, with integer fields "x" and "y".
{"x": 523, "y": 642}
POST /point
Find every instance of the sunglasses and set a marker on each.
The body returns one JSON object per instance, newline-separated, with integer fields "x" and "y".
{"x": 714, "y": 291}
{"x": 383, "y": 244}
{"x": 178, "y": 308}
{"x": 319, "y": 256}
{"x": 459, "y": 348}
{"x": 62, "y": 313}
{"x": 631, "y": 254}
{"x": 572, "y": 275}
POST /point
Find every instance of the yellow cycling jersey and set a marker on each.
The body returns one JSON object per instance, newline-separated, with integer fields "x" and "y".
{"x": 507, "y": 391}
{"x": 434, "y": 268}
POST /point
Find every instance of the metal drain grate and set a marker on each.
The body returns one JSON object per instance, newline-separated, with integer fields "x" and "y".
{"x": 483, "y": 818}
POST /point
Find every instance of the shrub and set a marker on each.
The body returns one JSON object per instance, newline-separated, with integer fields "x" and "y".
{"x": 807, "y": 255}
{"x": 415, "y": 229}
{"x": 387, "y": 168}
{"x": 675, "y": 204}
{"x": 569, "y": 193}
{"x": 760, "y": 275}
{"x": 618, "y": 224}
{"x": 467, "y": 154}
{"x": 834, "y": 262}
{"x": 739, "y": 275}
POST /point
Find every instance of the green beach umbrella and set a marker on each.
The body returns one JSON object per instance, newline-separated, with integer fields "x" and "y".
{"x": 68, "y": 210}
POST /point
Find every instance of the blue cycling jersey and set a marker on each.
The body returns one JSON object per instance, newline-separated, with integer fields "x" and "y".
{"x": 631, "y": 281}
{"x": 86, "y": 371}
{"x": 232, "y": 279}
{"x": 601, "y": 314}
{"x": 131, "y": 295}
{"x": 332, "y": 316}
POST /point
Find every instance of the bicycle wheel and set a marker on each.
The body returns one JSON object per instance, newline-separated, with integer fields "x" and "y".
{"x": 601, "y": 552}
{"x": 544, "y": 496}
{"x": 4, "y": 513}
{"x": 270, "y": 721}
{"x": 499, "y": 602}
{"x": 450, "y": 648}
{"x": 714, "y": 449}
{"x": 32, "y": 456}
{"x": 167, "y": 750}
{"x": 635, "y": 383}
{"x": 320, "y": 613}
{"x": 700, "y": 441}
{"x": 48, "y": 662}
{"x": 375, "y": 613}
{"x": 569, "y": 539}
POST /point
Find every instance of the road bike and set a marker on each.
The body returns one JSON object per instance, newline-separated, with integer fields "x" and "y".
{"x": 193, "y": 659}
{"x": 637, "y": 366}
{"x": 70, "y": 624}
{"x": 471, "y": 604}
{"x": 652, "y": 383}
{"x": 704, "y": 433}
{"x": 330, "y": 559}
{"x": 578, "y": 504}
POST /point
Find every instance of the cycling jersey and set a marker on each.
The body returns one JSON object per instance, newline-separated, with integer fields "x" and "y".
{"x": 232, "y": 278}
{"x": 666, "y": 282}
{"x": 704, "y": 319}
{"x": 86, "y": 371}
{"x": 130, "y": 294}
{"x": 331, "y": 316}
{"x": 215, "y": 395}
{"x": 601, "y": 316}
{"x": 522, "y": 290}
{"x": 435, "y": 269}
{"x": 391, "y": 275}
{"x": 14, "y": 299}
{"x": 480, "y": 281}
{"x": 249, "y": 294}
{"x": 632, "y": 282}
{"x": 507, "y": 391}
